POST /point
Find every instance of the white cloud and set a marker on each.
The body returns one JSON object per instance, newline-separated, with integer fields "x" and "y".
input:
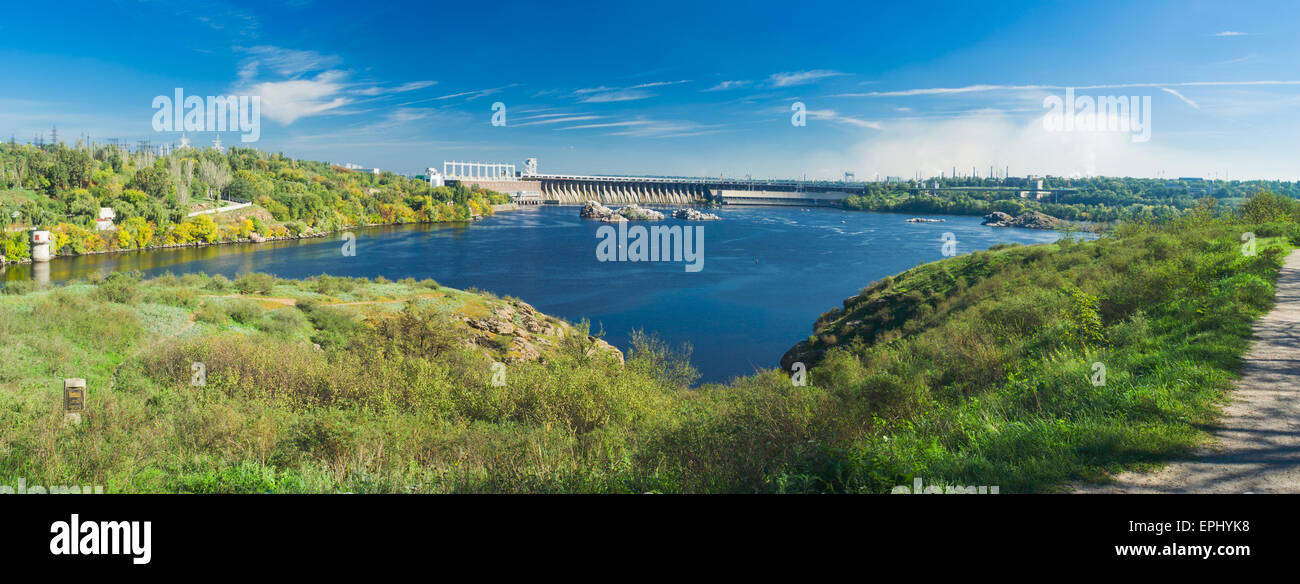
{"x": 288, "y": 101}
{"x": 618, "y": 95}
{"x": 1230, "y": 33}
{"x": 800, "y": 77}
{"x": 988, "y": 87}
{"x": 725, "y": 85}
{"x": 834, "y": 116}
{"x": 286, "y": 62}
{"x": 555, "y": 119}
{"x": 931, "y": 146}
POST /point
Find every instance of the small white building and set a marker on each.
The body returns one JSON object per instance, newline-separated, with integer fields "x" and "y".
{"x": 105, "y": 220}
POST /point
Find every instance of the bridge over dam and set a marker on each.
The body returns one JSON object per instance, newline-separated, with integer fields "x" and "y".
{"x": 530, "y": 187}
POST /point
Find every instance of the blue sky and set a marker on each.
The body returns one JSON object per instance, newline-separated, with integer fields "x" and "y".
{"x": 684, "y": 88}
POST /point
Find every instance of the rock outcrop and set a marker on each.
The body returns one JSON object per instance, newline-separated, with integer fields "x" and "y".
{"x": 1027, "y": 220}
{"x": 632, "y": 212}
{"x": 595, "y": 210}
{"x": 689, "y": 214}
{"x": 635, "y": 212}
{"x": 600, "y": 346}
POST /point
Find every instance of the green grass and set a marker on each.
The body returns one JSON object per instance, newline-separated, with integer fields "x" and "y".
{"x": 975, "y": 370}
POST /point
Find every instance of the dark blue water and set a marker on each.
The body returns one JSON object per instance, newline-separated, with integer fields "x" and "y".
{"x": 768, "y": 272}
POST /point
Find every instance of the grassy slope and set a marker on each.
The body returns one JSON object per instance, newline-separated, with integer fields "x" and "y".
{"x": 975, "y": 370}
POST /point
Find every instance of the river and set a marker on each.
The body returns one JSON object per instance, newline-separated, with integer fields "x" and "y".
{"x": 767, "y": 272}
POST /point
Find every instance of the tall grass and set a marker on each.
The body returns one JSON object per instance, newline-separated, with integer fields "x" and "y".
{"x": 975, "y": 370}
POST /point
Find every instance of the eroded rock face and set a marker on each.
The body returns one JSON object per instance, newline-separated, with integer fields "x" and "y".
{"x": 521, "y": 350}
{"x": 600, "y": 346}
{"x": 491, "y": 325}
{"x": 801, "y": 352}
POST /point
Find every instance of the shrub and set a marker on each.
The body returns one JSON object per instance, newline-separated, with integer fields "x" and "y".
{"x": 18, "y": 287}
{"x": 255, "y": 283}
{"x": 245, "y": 312}
{"x": 120, "y": 288}
{"x": 212, "y": 313}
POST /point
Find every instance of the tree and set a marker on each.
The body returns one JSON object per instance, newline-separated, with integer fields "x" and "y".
{"x": 216, "y": 175}
{"x": 153, "y": 181}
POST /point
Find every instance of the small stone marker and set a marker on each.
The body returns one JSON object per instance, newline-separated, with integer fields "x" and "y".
{"x": 74, "y": 399}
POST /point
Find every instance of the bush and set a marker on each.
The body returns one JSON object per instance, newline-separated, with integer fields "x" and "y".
{"x": 255, "y": 283}
{"x": 246, "y": 312}
{"x": 282, "y": 323}
{"x": 178, "y": 297}
{"x": 218, "y": 283}
{"x": 18, "y": 287}
{"x": 120, "y": 288}
{"x": 212, "y": 313}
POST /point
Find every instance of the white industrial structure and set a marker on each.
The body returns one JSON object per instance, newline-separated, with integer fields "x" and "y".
{"x": 478, "y": 170}
{"x": 435, "y": 178}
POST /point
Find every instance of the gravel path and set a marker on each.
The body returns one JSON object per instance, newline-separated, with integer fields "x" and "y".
{"x": 1257, "y": 446}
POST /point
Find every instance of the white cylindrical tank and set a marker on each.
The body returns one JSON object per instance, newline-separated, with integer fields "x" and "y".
{"x": 41, "y": 242}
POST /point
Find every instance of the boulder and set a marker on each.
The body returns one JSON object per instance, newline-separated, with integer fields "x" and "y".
{"x": 1028, "y": 220}
{"x": 1035, "y": 220}
{"x": 689, "y": 214}
{"x": 595, "y": 210}
{"x": 997, "y": 219}
{"x": 635, "y": 212}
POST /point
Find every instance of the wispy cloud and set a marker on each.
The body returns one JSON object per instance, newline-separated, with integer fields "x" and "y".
{"x": 725, "y": 85}
{"x": 981, "y": 88}
{"x": 282, "y": 61}
{"x": 561, "y": 119}
{"x": 793, "y": 78}
{"x": 618, "y": 95}
{"x": 295, "y": 84}
{"x": 403, "y": 88}
{"x": 646, "y": 128}
{"x": 660, "y": 84}
{"x": 1230, "y": 33}
{"x": 1179, "y": 95}
{"x": 603, "y": 94}
{"x": 834, "y": 116}
{"x": 473, "y": 95}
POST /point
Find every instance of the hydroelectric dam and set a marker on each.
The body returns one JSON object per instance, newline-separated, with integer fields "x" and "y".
{"x": 527, "y": 186}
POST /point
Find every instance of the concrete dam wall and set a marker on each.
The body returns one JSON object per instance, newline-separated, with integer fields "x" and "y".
{"x": 577, "y": 192}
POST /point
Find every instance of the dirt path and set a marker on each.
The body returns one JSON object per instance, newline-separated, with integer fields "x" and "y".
{"x": 1257, "y": 446}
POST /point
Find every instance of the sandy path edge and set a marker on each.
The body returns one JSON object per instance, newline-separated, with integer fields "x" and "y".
{"x": 1256, "y": 447}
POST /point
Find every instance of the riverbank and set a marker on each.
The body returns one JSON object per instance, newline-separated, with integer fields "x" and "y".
{"x": 254, "y": 240}
{"x": 1107, "y": 355}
